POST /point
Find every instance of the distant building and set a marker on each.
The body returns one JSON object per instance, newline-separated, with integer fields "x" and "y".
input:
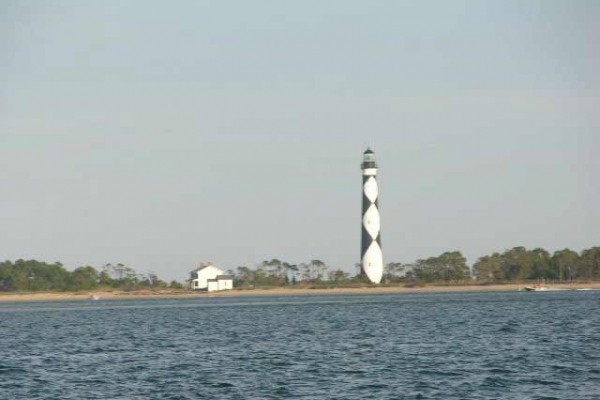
{"x": 224, "y": 282}
{"x": 212, "y": 285}
{"x": 221, "y": 282}
{"x": 209, "y": 277}
{"x": 371, "y": 254}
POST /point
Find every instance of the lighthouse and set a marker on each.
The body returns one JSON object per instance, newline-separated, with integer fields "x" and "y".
{"x": 371, "y": 254}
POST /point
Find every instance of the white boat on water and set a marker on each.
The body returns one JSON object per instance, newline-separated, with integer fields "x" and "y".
{"x": 542, "y": 289}
{"x": 535, "y": 289}
{"x": 550, "y": 289}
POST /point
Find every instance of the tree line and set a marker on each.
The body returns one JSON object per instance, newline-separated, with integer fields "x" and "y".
{"x": 449, "y": 266}
{"x": 520, "y": 263}
{"x": 516, "y": 264}
{"x": 275, "y": 272}
{"x": 33, "y": 275}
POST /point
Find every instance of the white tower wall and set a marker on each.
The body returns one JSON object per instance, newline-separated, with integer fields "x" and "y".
{"x": 371, "y": 253}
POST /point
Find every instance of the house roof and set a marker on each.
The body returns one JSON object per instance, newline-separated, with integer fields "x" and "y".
{"x": 223, "y": 277}
{"x": 202, "y": 266}
{"x": 211, "y": 280}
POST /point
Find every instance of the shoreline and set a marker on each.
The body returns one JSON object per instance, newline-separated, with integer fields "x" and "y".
{"x": 277, "y": 291}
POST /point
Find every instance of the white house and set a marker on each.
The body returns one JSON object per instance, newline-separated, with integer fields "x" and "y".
{"x": 224, "y": 282}
{"x": 212, "y": 285}
{"x": 208, "y": 277}
{"x": 202, "y": 274}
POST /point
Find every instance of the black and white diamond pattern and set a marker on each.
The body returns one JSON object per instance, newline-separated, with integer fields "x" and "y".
{"x": 371, "y": 254}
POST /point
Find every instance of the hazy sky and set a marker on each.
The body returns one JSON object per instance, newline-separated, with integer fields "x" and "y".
{"x": 162, "y": 134}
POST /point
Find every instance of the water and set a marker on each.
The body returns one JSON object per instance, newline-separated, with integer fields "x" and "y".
{"x": 405, "y": 346}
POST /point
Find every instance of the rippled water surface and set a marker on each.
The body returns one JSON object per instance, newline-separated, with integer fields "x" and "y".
{"x": 406, "y": 346}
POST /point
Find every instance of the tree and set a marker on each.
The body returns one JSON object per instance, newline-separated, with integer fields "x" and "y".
{"x": 6, "y": 276}
{"x": 541, "y": 265}
{"x": 117, "y": 270}
{"x": 565, "y": 263}
{"x": 338, "y": 276}
{"x": 83, "y": 278}
{"x": 451, "y": 265}
{"x": 291, "y": 273}
{"x": 588, "y": 266}
{"x": 175, "y": 285}
{"x": 397, "y": 271}
{"x": 155, "y": 282}
{"x": 489, "y": 267}
{"x": 271, "y": 273}
{"x": 245, "y": 276}
{"x": 516, "y": 264}
{"x": 319, "y": 269}
{"x": 454, "y": 265}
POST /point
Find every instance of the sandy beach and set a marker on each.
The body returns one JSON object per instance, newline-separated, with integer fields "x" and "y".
{"x": 122, "y": 295}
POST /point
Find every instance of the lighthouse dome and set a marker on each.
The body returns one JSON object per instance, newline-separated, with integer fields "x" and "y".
{"x": 369, "y": 159}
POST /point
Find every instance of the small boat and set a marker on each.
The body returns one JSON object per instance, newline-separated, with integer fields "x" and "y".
{"x": 535, "y": 288}
{"x": 543, "y": 289}
{"x": 94, "y": 297}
